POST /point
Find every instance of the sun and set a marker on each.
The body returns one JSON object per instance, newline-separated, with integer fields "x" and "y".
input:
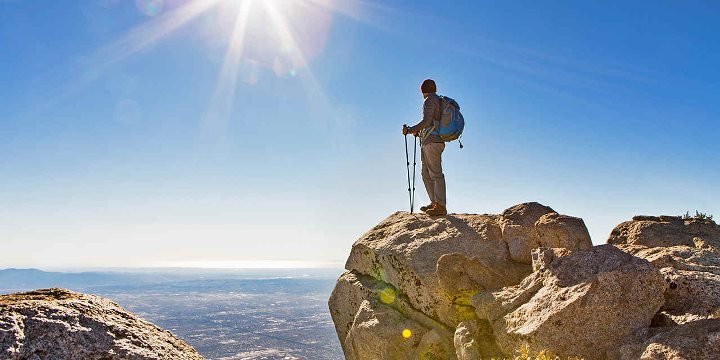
{"x": 280, "y": 37}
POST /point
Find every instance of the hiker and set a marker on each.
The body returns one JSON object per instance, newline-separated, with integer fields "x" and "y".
{"x": 431, "y": 149}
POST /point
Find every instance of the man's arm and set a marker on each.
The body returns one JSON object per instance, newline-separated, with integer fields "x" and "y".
{"x": 430, "y": 108}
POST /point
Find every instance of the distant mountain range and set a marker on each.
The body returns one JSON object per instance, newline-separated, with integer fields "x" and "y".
{"x": 12, "y": 280}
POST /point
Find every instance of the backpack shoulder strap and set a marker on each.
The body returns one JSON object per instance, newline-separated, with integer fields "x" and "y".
{"x": 440, "y": 107}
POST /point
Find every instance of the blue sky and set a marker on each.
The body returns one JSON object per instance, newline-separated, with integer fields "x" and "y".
{"x": 134, "y": 135}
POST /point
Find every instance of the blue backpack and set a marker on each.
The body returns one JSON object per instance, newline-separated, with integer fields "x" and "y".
{"x": 451, "y": 123}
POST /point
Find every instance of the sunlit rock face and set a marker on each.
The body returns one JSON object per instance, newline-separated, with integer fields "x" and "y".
{"x": 693, "y": 340}
{"x": 427, "y": 269}
{"x": 469, "y": 286}
{"x": 687, "y": 254}
{"x": 60, "y": 324}
{"x": 578, "y": 304}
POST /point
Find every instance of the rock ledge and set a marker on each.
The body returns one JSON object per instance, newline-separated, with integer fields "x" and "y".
{"x": 61, "y": 324}
{"x": 467, "y": 286}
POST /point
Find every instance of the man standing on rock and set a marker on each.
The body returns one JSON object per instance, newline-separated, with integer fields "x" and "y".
{"x": 431, "y": 149}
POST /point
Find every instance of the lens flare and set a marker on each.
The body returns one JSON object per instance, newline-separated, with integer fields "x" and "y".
{"x": 150, "y": 7}
{"x": 388, "y": 295}
{"x": 407, "y": 333}
{"x": 249, "y": 72}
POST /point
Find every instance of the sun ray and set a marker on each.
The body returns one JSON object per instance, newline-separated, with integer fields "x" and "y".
{"x": 297, "y": 58}
{"x": 134, "y": 41}
{"x": 146, "y": 35}
{"x": 298, "y": 61}
{"x": 221, "y": 103}
{"x": 357, "y": 10}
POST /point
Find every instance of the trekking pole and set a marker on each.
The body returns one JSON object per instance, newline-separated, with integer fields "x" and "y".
{"x": 407, "y": 162}
{"x": 412, "y": 202}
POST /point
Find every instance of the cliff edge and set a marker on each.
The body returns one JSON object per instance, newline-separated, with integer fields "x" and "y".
{"x": 469, "y": 286}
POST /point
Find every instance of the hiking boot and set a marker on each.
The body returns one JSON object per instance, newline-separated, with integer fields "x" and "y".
{"x": 437, "y": 210}
{"x": 427, "y": 207}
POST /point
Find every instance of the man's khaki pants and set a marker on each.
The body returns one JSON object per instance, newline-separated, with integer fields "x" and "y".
{"x": 432, "y": 175}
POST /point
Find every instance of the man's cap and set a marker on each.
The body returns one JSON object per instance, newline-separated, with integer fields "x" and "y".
{"x": 428, "y": 86}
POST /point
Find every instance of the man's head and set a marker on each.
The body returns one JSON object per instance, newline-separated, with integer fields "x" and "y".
{"x": 428, "y": 87}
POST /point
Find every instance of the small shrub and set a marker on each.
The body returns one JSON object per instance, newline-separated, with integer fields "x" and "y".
{"x": 698, "y": 216}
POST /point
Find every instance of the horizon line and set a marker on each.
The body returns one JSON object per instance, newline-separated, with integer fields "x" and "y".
{"x": 232, "y": 265}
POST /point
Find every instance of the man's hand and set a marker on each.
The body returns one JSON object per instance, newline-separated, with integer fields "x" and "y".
{"x": 405, "y": 130}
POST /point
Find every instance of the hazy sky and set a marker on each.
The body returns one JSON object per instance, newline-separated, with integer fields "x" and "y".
{"x": 153, "y": 133}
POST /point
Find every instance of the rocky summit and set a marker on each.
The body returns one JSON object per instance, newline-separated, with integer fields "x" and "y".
{"x": 529, "y": 279}
{"x": 60, "y": 324}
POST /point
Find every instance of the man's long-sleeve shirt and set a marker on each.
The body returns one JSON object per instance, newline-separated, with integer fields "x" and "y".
{"x": 430, "y": 113}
